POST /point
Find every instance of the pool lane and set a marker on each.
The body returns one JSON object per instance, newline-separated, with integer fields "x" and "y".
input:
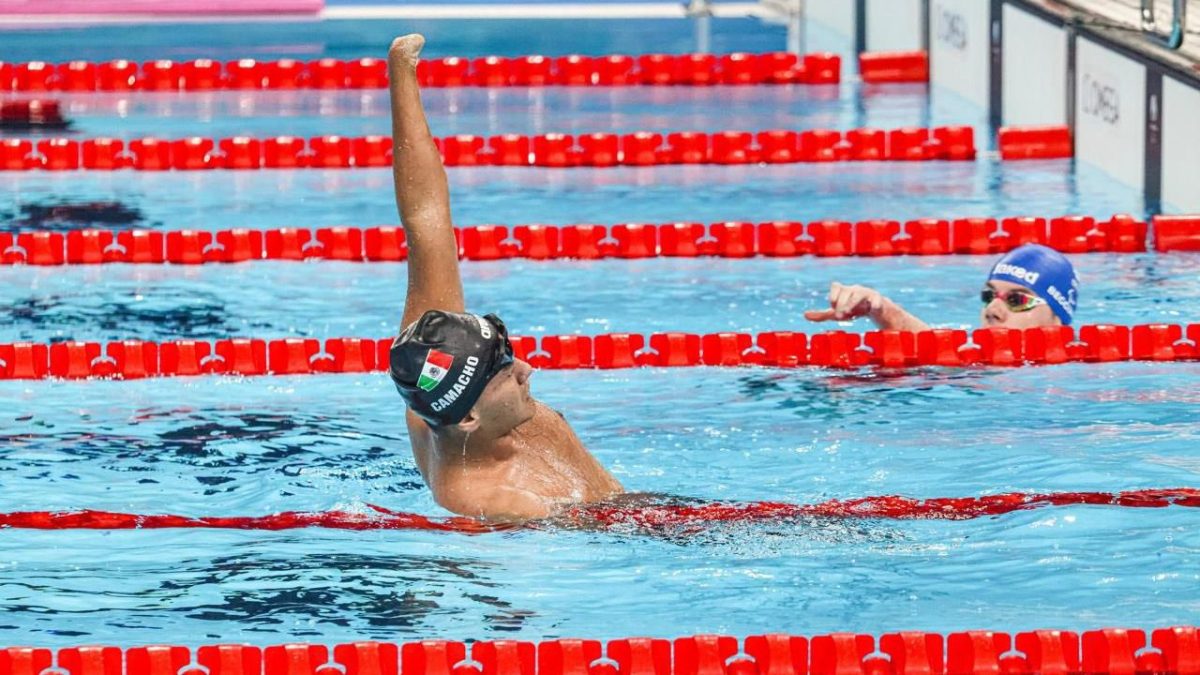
{"x": 228, "y": 446}
{"x": 516, "y": 195}
{"x": 324, "y": 300}
{"x": 524, "y": 110}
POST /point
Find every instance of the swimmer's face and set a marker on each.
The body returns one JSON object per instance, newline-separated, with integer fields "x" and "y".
{"x": 997, "y": 313}
{"x": 506, "y": 402}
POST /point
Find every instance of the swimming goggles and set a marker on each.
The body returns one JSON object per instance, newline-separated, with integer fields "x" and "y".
{"x": 503, "y": 350}
{"x": 1017, "y": 300}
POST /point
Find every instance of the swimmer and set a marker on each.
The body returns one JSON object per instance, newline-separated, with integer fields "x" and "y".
{"x": 485, "y": 447}
{"x": 1032, "y": 286}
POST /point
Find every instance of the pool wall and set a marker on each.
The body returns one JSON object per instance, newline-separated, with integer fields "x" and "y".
{"x": 1129, "y": 103}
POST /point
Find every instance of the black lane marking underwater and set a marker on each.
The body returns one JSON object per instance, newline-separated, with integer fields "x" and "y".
{"x": 387, "y": 592}
{"x": 287, "y": 444}
{"x": 180, "y": 315}
{"x": 272, "y": 592}
{"x": 65, "y": 216}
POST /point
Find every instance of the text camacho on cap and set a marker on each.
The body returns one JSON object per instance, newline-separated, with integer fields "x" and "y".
{"x": 442, "y": 362}
{"x": 1044, "y": 271}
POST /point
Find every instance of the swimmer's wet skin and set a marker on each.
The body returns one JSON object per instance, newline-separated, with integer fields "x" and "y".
{"x": 485, "y": 447}
{"x": 1031, "y": 286}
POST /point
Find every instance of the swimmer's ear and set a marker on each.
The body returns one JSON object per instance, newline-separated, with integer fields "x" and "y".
{"x": 469, "y": 423}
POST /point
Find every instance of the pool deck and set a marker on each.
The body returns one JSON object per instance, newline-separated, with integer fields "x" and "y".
{"x": 1122, "y": 19}
{"x": 336, "y": 10}
{"x": 532, "y": 10}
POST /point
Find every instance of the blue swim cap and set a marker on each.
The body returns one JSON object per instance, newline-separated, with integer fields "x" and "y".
{"x": 1044, "y": 271}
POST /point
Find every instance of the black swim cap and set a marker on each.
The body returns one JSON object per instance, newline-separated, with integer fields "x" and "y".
{"x": 442, "y": 362}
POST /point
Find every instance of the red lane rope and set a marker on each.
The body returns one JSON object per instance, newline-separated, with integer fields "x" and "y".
{"x": 889, "y": 507}
{"x": 884, "y": 67}
{"x": 1108, "y": 651}
{"x": 729, "y": 239}
{"x": 643, "y": 148}
{"x": 614, "y": 70}
{"x": 88, "y": 519}
{"x": 134, "y": 359}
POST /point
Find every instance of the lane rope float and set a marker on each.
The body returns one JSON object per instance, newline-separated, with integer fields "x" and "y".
{"x": 1172, "y": 650}
{"x": 1007, "y": 347}
{"x": 878, "y": 237}
{"x": 551, "y": 150}
{"x": 613, "y": 70}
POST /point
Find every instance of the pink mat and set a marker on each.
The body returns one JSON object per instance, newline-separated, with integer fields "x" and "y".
{"x": 160, "y": 7}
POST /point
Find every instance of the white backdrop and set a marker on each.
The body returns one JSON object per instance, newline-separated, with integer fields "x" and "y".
{"x": 1110, "y": 112}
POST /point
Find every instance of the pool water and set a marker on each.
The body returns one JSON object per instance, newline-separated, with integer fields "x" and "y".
{"x": 524, "y": 110}
{"x": 255, "y": 446}
{"x": 258, "y": 446}
{"x": 335, "y": 299}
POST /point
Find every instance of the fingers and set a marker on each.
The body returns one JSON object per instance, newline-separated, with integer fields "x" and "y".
{"x": 847, "y": 302}
{"x": 407, "y": 49}
{"x": 844, "y": 300}
{"x": 834, "y": 289}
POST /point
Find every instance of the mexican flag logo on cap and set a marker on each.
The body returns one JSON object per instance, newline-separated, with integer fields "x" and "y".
{"x": 437, "y": 364}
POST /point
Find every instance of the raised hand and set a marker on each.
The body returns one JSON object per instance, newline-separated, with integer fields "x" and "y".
{"x": 406, "y": 49}
{"x": 849, "y": 302}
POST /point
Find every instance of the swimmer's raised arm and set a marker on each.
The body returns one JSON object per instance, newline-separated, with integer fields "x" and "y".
{"x": 851, "y": 302}
{"x": 422, "y": 192}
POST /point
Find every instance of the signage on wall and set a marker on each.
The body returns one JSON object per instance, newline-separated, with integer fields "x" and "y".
{"x": 960, "y": 49}
{"x": 1110, "y": 112}
{"x": 1099, "y": 97}
{"x": 950, "y": 28}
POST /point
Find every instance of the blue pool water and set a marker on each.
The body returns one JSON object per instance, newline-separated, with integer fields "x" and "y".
{"x": 233, "y": 446}
{"x": 510, "y": 196}
{"x": 277, "y": 299}
{"x": 256, "y": 446}
{"x": 526, "y": 110}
